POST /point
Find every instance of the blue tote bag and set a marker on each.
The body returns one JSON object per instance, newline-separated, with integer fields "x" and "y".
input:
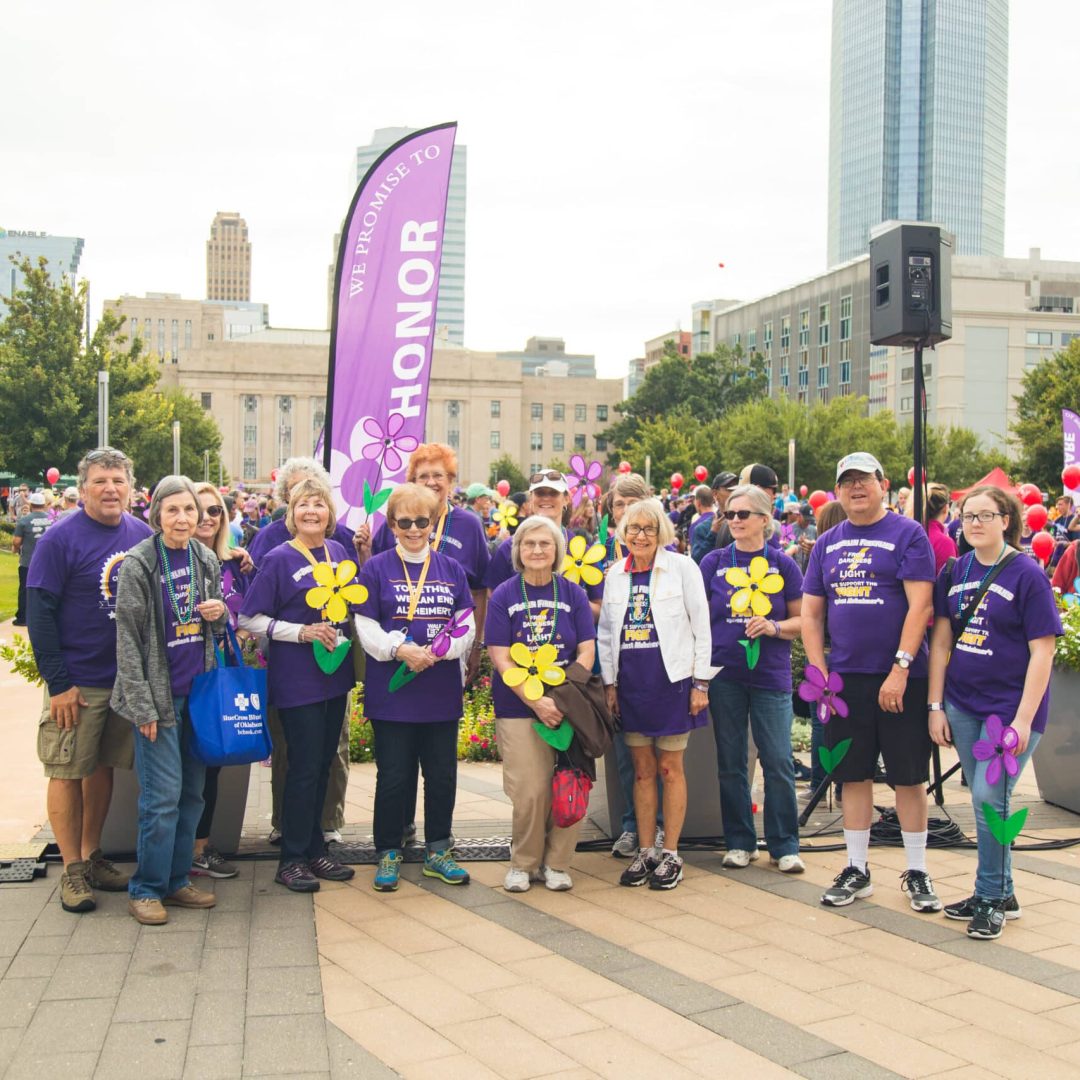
{"x": 228, "y": 711}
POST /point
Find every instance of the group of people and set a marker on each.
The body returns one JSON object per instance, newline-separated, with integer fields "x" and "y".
{"x": 123, "y": 617}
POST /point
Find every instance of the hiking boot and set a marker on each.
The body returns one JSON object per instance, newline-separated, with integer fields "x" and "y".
{"x": 441, "y": 865}
{"x": 148, "y": 910}
{"x": 964, "y": 910}
{"x": 386, "y": 876}
{"x": 641, "y": 869}
{"x": 296, "y": 877}
{"x": 736, "y": 859}
{"x": 76, "y": 894}
{"x": 325, "y": 866}
{"x": 190, "y": 897}
{"x": 668, "y": 874}
{"x": 917, "y": 884}
{"x": 851, "y": 884}
{"x": 209, "y": 863}
{"x": 987, "y": 920}
{"x": 626, "y": 846}
{"x": 104, "y": 875}
{"x": 517, "y": 880}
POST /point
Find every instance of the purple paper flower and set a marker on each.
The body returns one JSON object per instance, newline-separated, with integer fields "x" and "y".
{"x": 998, "y": 748}
{"x": 581, "y": 480}
{"x": 386, "y": 444}
{"x": 455, "y": 628}
{"x": 825, "y": 691}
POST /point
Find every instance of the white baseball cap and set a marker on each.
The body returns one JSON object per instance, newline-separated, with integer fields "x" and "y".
{"x": 860, "y": 461}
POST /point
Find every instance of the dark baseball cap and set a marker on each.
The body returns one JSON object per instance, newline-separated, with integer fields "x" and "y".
{"x": 759, "y": 475}
{"x": 724, "y": 480}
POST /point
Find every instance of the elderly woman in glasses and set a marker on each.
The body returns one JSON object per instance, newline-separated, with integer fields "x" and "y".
{"x": 654, "y": 657}
{"x": 168, "y": 602}
{"x": 415, "y": 625}
{"x": 755, "y": 600}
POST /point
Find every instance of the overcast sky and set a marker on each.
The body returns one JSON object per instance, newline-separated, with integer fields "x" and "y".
{"x": 618, "y": 150}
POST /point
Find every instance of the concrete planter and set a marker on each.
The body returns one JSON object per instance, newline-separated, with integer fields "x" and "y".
{"x": 1057, "y": 757}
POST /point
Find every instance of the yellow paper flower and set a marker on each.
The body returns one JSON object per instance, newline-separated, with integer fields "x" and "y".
{"x": 506, "y": 515}
{"x": 752, "y": 587}
{"x": 578, "y": 564}
{"x": 334, "y": 593}
{"x": 534, "y": 669}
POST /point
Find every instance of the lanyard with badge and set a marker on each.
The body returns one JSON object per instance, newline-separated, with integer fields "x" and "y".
{"x": 330, "y": 596}
{"x": 404, "y": 673}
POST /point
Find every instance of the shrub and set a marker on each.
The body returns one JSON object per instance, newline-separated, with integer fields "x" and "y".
{"x": 20, "y": 656}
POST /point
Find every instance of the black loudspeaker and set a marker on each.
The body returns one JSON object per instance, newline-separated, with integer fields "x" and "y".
{"x": 910, "y": 284}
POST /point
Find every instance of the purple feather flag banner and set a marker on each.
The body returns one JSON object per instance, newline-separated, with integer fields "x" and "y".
{"x": 383, "y": 329}
{"x": 1070, "y": 433}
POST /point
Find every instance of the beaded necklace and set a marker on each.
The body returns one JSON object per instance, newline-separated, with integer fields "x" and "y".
{"x": 183, "y": 615}
{"x": 534, "y": 623}
{"x": 967, "y": 571}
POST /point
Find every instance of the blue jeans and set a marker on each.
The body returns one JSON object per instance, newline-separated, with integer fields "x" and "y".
{"x": 993, "y": 874}
{"x": 625, "y": 762}
{"x": 732, "y": 705}
{"x": 170, "y": 803}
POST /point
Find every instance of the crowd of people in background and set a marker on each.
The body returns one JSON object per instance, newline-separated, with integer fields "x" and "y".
{"x": 654, "y": 613}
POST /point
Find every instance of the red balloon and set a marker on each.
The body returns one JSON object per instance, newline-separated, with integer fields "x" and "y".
{"x": 53, "y": 475}
{"x": 911, "y": 476}
{"x": 1042, "y": 544}
{"x": 701, "y": 474}
{"x": 1036, "y": 517}
{"x": 503, "y": 488}
{"x": 803, "y": 490}
{"x": 1070, "y": 476}
{"x": 273, "y": 476}
{"x": 625, "y": 466}
{"x": 676, "y": 480}
{"x": 818, "y": 498}
{"x": 1030, "y": 495}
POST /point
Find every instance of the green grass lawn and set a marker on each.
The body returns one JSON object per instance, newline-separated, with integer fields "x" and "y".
{"x": 9, "y": 584}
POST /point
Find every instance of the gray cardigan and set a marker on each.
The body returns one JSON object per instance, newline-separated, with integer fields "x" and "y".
{"x": 142, "y": 692}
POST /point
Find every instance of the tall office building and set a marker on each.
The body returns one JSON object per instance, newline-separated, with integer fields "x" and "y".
{"x": 62, "y": 252}
{"x": 450, "y": 305}
{"x": 228, "y": 258}
{"x": 918, "y": 103}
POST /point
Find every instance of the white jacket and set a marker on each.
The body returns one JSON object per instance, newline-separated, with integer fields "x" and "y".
{"x": 680, "y": 611}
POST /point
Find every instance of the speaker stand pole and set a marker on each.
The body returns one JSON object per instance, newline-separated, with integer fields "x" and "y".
{"x": 919, "y": 486}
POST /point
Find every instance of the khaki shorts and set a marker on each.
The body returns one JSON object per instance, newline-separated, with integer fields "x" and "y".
{"x": 661, "y": 742}
{"x": 101, "y": 737}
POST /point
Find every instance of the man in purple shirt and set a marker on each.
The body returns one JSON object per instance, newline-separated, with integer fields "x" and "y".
{"x": 71, "y": 599}
{"x": 873, "y": 575}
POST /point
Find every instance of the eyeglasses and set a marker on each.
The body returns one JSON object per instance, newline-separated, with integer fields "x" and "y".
{"x": 742, "y": 515}
{"x": 538, "y": 545}
{"x": 858, "y": 480}
{"x": 641, "y": 530}
{"x": 213, "y": 510}
{"x": 549, "y": 474}
{"x": 983, "y": 516}
{"x": 408, "y": 523}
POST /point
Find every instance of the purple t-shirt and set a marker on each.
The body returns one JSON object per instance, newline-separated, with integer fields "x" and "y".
{"x": 434, "y": 694}
{"x": 649, "y": 702}
{"x": 773, "y": 669}
{"x": 275, "y": 534}
{"x": 78, "y": 560}
{"x": 861, "y": 570}
{"x": 507, "y": 622}
{"x": 184, "y": 649}
{"x": 501, "y": 569}
{"x": 278, "y": 590}
{"x": 233, "y": 587}
{"x": 462, "y": 539}
{"x": 986, "y": 672}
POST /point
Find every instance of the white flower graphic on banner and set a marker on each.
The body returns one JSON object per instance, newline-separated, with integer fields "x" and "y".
{"x": 369, "y": 441}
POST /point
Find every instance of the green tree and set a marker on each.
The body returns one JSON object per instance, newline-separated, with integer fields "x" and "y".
{"x": 957, "y": 458}
{"x": 151, "y": 440}
{"x": 1045, "y": 390}
{"x": 506, "y": 468}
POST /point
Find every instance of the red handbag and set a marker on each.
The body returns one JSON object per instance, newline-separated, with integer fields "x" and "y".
{"x": 569, "y": 796}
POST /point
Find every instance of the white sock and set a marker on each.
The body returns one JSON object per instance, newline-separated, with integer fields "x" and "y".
{"x": 671, "y": 851}
{"x": 858, "y": 844}
{"x": 915, "y": 849}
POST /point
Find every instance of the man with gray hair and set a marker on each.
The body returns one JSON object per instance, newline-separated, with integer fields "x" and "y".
{"x": 71, "y": 600}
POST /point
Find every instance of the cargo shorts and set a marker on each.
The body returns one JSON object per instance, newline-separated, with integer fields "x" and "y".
{"x": 101, "y": 737}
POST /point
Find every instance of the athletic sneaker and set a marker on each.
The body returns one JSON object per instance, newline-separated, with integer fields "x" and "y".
{"x": 274, "y": 837}
{"x": 386, "y": 876}
{"x": 626, "y": 846}
{"x": 789, "y": 864}
{"x": 297, "y": 877}
{"x": 917, "y": 884}
{"x": 658, "y": 843}
{"x": 408, "y": 835}
{"x": 736, "y": 859}
{"x": 850, "y": 884}
{"x": 641, "y": 869}
{"x": 987, "y": 920}
{"x": 75, "y": 892}
{"x": 964, "y": 910}
{"x": 325, "y": 866}
{"x": 104, "y": 875}
{"x": 211, "y": 864}
{"x": 668, "y": 874}
{"x": 517, "y": 880}
{"x": 441, "y": 865}
{"x": 556, "y": 880}
{"x": 331, "y": 836}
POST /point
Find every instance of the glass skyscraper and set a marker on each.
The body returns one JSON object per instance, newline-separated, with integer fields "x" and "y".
{"x": 62, "y": 252}
{"x": 450, "y": 304}
{"x": 918, "y": 103}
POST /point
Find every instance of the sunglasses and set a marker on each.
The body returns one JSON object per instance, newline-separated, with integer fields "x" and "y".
{"x": 105, "y": 452}
{"x": 213, "y": 510}
{"x": 742, "y": 515}
{"x": 550, "y": 474}
{"x": 408, "y": 523}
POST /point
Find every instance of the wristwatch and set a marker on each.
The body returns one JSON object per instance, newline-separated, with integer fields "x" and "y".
{"x": 903, "y": 659}
{"x": 935, "y": 706}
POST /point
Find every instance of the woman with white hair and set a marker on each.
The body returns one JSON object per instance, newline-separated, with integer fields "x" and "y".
{"x": 536, "y": 621}
{"x": 755, "y": 602}
{"x": 654, "y": 658}
{"x": 169, "y": 590}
